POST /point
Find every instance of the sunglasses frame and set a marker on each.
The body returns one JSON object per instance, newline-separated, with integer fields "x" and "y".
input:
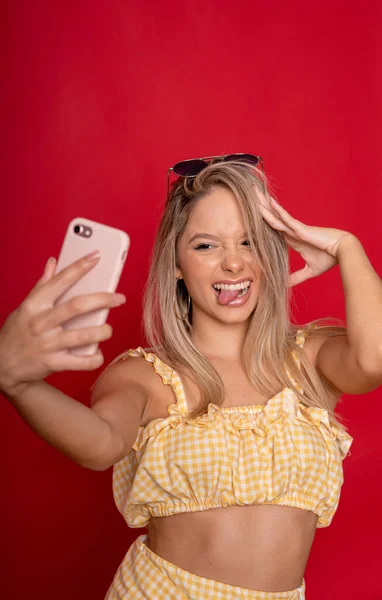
{"x": 209, "y": 159}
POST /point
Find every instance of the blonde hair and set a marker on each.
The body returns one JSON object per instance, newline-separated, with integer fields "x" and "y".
{"x": 271, "y": 336}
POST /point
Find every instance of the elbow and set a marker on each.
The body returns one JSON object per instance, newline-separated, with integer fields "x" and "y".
{"x": 371, "y": 365}
{"x": 108, "y": 453}
{"x": 100, "y": 467}
{"x": 93, "y": 465}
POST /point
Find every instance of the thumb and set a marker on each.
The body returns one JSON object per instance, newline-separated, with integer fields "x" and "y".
{"x": 300, "y": 276}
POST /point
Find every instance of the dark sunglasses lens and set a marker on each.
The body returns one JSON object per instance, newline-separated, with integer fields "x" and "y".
{"x": 247, "y": 158}
{"x": 189, "y": 168}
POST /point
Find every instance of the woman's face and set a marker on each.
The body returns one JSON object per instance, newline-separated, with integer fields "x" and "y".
{"x": 214, "y": 249}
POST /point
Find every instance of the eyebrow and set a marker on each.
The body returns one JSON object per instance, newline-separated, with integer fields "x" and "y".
{"x": 210, "y": 236}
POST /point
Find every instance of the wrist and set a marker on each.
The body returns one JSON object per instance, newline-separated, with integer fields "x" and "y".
{"x": 11, "y": 389}
{"x": 347, "y": 241}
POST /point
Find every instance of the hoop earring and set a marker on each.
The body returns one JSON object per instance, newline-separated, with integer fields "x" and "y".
{"x": 188, "y": 308}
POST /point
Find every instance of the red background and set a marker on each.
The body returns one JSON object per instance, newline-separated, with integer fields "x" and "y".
{"x": 99, "y": 99}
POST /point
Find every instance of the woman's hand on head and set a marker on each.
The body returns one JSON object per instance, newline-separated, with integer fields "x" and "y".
{"x": 33, "y": 343}
{"x": 318, "y": 246}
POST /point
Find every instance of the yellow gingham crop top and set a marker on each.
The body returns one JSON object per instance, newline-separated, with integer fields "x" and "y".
{"x": 282, "y": 453}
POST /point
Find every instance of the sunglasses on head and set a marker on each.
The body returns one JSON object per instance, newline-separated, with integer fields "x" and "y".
{"x": 193, "y": 166}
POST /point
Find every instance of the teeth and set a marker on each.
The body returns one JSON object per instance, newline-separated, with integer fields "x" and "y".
{"x": 226, "y": 286}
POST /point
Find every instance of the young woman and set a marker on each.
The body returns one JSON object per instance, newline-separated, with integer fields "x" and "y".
{"x": 223, "y": 434}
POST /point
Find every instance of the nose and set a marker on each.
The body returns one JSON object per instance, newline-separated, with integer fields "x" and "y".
{"x": 233, "y": 260}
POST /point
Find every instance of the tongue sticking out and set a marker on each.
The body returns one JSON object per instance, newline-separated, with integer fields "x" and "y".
{"x": 226, "y": 296}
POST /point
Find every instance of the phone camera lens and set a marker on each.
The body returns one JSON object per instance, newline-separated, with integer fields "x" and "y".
{"x": 77, "y": 229}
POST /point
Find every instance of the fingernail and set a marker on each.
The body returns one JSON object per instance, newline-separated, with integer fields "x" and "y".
{"x": 93, "y": 256}
{"x": 119, "y": 299}
{"x": 50, "y": 260}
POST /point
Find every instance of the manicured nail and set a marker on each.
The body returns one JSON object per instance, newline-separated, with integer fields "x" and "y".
{"x": 119, "y": 299}
{"x": 50, "y": 261}
{"x": 93, "y": 256}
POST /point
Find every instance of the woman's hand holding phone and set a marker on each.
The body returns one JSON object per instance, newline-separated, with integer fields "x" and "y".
{"x": 33, "y": 343}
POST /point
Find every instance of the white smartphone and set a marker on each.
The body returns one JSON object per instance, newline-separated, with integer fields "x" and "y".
{"x": 82, "y": 237}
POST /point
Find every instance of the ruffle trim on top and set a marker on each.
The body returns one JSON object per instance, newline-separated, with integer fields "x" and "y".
{"x": 258, "y": 418}
{"x": 168, "y": 375}
{"x": 164, "y": 370}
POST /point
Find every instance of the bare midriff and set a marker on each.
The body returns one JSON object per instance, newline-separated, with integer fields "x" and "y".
{"x": 262, "y": 547}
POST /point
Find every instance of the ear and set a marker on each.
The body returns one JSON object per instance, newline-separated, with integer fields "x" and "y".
{"x": 178, "y": 273}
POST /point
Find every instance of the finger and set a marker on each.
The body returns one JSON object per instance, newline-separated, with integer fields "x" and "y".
{"x": 280, "y": 210}
{"x": 48, "y": 273}
{"x": 283, "y": 216}
{"x": 51, "y": 318}
{"x": 64, "y": 361}
{"x": 275, "y": 221}
{"x": 263, "y": 199}
{"x": 299, "y": 276}
{"x": 59, "y": 283}
{"x": 57, "y": 339}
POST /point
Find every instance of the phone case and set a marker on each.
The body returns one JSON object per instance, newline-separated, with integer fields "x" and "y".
{"x": 82, "y": 237}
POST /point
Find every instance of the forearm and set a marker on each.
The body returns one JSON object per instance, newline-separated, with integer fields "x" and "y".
{"x": 363, "y": 299}
{"x": 71, "y": 427}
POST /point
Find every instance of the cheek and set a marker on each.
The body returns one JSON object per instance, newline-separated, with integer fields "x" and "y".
{"x": 198, "y": 274}
{"x": 197, "y": 263}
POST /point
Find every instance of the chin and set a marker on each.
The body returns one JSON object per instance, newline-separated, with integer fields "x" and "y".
{"x": 235, "y": 317}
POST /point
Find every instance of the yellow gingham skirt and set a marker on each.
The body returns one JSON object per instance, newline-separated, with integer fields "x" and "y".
{"x": 143, "y": 575}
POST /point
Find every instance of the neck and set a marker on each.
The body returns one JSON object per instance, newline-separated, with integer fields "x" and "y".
{"x": 217, "y": 339}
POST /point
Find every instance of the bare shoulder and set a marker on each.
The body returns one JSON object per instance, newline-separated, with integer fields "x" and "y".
{"x": 128, "y": 373}
{"x": 312, "y": 346}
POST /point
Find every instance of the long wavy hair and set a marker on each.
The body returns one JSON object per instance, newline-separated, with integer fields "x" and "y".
{"x": 270, "y": 345}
